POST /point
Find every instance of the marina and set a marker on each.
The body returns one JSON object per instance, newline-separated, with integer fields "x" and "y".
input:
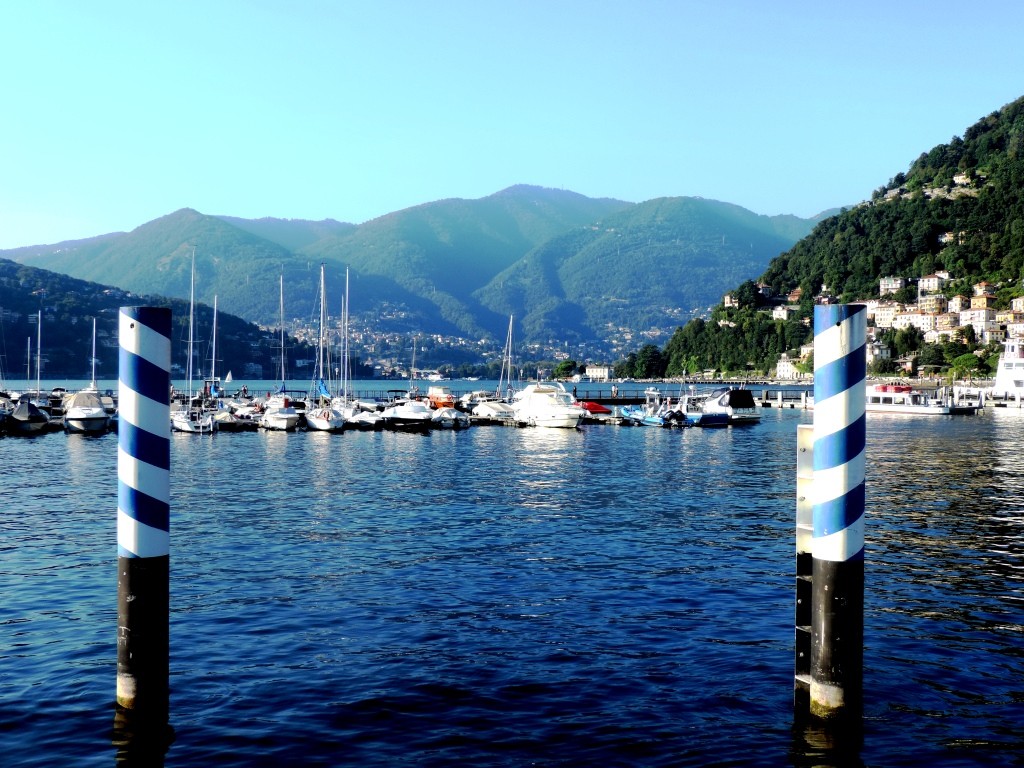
{"x": 284, "y": 404}
{"x": 505, "y": 597}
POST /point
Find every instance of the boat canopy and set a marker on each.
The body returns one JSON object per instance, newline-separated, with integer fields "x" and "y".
{"x": 85, "y": 399}
{"x": 734, "y": 398}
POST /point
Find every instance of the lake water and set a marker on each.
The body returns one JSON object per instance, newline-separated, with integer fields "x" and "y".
{"x": 509, "y": 597}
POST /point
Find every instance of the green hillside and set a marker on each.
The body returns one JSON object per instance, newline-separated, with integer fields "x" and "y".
{"x": 653, "y": 265}
{"x": 444, "y": 251}
{"x": 958, "y": 207}
{"x": 155, "y": 258}
{"x": 68, "y": 306}
{"x": 293, "y": 234}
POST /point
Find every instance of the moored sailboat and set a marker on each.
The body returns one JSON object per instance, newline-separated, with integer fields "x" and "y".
{"x": 31, "y": 415}
{"x": 357, "y": 415}
{"x": 191, "y": 416}
{"x": 278, "y": 411}
{"x": 320, "y": 413}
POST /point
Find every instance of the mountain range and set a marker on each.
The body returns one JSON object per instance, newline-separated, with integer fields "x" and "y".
{"x": 565, "y": 266}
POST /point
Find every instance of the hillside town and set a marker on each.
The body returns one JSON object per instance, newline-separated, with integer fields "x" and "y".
{"x": 938, "y": 317}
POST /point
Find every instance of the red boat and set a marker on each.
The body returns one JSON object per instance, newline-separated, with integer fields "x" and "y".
{"x": 591, "y": 407}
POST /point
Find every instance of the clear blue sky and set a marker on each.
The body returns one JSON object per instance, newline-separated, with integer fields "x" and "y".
{"x": 116, "y": 113}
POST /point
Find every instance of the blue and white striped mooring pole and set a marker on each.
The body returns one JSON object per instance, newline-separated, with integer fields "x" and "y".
{"x": 143, "y": 514}
{"x": 837, "y": 544}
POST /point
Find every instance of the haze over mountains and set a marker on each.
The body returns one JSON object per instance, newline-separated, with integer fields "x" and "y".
{"x": 568, "y": 267}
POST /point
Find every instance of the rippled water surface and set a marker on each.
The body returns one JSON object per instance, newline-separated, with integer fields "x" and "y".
{"x": 609, "y": 596}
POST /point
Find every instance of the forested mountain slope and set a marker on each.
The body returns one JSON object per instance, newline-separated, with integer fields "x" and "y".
{"x": 958, "y": 207}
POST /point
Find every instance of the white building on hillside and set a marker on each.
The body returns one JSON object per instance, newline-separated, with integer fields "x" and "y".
{"x": 930, "y": 284}
{"x": 786, "y": 369}
{"x": 977, "y": 318}
{"x": 891, "y": 285}
{"x": 784, "y": 311}
{"x": 885, "y": 313}
{"x": 958, "y": 303}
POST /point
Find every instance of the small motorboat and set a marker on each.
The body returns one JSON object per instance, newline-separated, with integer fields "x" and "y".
{"x": 27, "y": 419}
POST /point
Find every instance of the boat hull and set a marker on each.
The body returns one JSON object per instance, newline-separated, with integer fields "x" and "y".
{"x": 554, "y": 420}
{"x": 25, "y": 427}
{"x": 547, "y": 405}
{"x": 324, "y": 420}
{"x": 193, "y": 423}
{"x": 910, "y": 410}
{"x": 281, "y": 422}
{"x": 86, "y": 423}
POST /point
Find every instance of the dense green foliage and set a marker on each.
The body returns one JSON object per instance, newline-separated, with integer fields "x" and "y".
{"x": 648, "y": 363}
{"x": 69, "y": 305}
{"x": 959, "y": 207}
{"x": 293, "y": 234}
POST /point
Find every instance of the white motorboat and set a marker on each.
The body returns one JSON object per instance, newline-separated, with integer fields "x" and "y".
{"x": 279, "y": 413}
{"x": 546, "y": 405}
{"x": 84, "y": 411}
{"x": 407, "y": 415}
{"x": 364, "y": 420}
{"x": 737, "y": 405}
{"x": 470, "y": 400}
{"x": 449, "y": 418}
{"x": 229, "y": 420}
{"x": 494, "y": 410}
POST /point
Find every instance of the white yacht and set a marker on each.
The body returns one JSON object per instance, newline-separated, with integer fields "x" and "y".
{"x": 546, "y": 405}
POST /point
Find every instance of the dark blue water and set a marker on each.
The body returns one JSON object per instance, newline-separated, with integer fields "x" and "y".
{"x": 508, "y": 597}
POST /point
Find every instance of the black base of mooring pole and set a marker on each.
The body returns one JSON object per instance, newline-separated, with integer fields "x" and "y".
{"x": 143, "y": 639}
{"x": 837, "y": 639}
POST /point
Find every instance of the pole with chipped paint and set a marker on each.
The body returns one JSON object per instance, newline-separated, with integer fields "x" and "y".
{"x": 837, "y": 545}
{"x": 143, "y": 514}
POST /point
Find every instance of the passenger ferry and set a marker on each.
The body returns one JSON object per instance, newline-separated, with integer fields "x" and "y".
{"x": 900, "y": 398}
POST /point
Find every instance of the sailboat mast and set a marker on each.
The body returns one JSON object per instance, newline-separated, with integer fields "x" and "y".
{"x": 323, "y": 318}
{"x": 213, "y": 353}
{"x": 506, "y": 361}
{"x": 93, "y": 359}
{"x": 344, "y": 344}
{"x": 191, "y": 318}
{"x": 39, "y": 351}
{"x": 412, "y": 368}
{"x": 282, "y": 331}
